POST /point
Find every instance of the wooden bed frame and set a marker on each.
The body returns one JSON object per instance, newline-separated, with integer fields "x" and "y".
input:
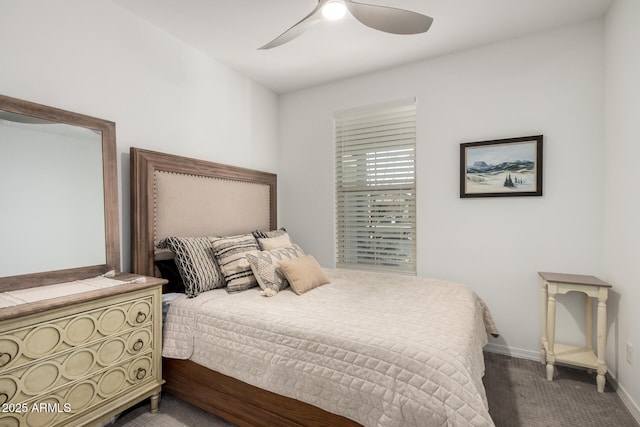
{"x": 228, "y": 398}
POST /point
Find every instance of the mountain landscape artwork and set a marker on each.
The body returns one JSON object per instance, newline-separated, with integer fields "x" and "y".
{"x": 501, "y": 167}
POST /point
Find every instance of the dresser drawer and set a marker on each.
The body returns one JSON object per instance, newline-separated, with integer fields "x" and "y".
{"x": 62, "y": 405}
{"x": 29, "y": 381}
{"x": 22, "y": 346}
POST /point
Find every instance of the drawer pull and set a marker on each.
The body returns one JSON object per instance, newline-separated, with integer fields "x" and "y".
{"x": 4, "y": 398}
{"x": 141, "y": 373}
{"x": 141, "y": 317}
{"x": 137, "y": 346}
{"x": 5, "y": 359}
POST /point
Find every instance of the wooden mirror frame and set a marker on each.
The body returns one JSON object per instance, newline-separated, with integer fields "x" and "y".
{"x": 110, "y": 182}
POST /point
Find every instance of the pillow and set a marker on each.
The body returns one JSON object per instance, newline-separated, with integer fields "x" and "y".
{"x": 268, "y": 243}
{"x": 169, "y": 270}
{"x": 264, "y": 265}
{"x": 303, "y": 273}
{"x": 268, "y": 234}
{"x": 230, "y": 253}
{"x": 196, "y": 264}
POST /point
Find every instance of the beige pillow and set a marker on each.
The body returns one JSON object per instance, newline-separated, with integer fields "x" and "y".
{"x": 303, "y": 273}
{"x": 270, "y": 243}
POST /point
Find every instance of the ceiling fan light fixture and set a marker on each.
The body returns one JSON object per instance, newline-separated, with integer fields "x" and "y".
{"x": 388, "y": 19}
{"x": 334, "y": 10}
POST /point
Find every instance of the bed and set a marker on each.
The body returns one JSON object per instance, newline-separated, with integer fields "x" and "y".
{"x": 365, "y": 349}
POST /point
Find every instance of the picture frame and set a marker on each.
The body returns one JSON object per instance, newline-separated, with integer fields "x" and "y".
{"x": 509, "y": 167}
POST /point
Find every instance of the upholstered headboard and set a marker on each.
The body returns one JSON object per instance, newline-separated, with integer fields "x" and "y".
{"x": 179, "y": 196}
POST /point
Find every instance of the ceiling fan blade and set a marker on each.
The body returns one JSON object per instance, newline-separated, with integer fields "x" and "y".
{"x": 389, "y": 19}
{"x": 299, "y": 28}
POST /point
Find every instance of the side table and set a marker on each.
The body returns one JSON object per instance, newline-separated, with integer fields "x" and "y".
{"x": 552, "y": 352}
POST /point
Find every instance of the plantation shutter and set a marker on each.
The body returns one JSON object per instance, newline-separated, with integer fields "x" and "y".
{"x": 376, "y": 187}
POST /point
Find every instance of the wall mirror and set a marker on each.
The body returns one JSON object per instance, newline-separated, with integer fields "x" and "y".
{"x": 58, "y": 187}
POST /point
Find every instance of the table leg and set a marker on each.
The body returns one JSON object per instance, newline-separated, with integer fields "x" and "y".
{"x": 551, "y": 332}
{"x": 602, "y": 340}
{"x": 544, "y": 343}
{"x": 588, "y": 321}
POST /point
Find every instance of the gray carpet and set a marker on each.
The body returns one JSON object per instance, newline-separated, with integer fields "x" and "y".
{"x": 519, "y": 396}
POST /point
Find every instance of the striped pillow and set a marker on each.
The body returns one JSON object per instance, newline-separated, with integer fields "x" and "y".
{"x": 230, "y": 253}
{"x": 196, "y": 263}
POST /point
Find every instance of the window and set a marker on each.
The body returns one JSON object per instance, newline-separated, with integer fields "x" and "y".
{"x": 376, "y": 187}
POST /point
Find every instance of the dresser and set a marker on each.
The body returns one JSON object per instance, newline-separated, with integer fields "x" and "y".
{"x": 80, "y": 359}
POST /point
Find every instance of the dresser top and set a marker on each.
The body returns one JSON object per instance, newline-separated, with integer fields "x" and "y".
{"x": 34, "y": 300}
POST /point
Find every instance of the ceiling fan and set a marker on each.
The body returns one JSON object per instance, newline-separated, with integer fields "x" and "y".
{"x": 383, "y": 18}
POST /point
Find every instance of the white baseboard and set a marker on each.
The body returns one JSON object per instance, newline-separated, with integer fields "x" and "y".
{"x": 521, "y": 353}
{"x": 629, "y": 403}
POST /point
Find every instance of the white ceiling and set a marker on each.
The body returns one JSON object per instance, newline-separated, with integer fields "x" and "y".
{"x": 233, "y": 30}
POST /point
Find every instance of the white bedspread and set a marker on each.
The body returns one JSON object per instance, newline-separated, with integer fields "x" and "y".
{"x": 383, "y": 350}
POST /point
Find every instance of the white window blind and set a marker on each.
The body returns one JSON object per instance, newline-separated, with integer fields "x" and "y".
{"x": 376, "y": 187}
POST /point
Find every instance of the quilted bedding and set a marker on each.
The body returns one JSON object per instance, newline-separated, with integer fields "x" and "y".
{"x": 383, "y": 350}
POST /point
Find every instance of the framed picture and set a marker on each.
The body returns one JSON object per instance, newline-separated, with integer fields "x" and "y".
{"x": 501, "y": 168}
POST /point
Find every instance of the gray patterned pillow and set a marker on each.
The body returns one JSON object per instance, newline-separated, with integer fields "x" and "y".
{"x": 264, "y": 265}
{"x": 230, "y": 254}
{"x": 269, "y": 234}
{"x": 196, "y": 263}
